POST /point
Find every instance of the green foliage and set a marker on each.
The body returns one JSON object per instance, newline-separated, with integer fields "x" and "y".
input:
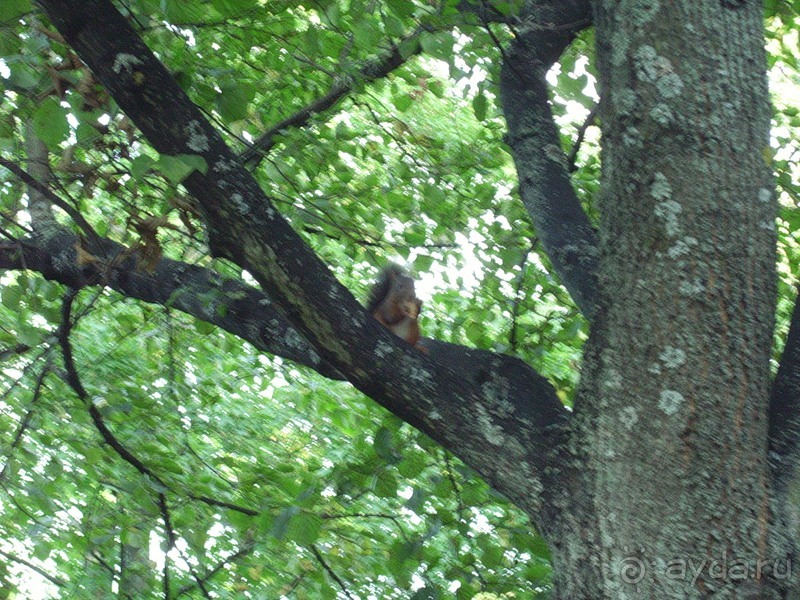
{"x": 277, "y": 476}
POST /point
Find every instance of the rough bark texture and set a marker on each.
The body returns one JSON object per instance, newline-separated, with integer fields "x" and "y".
{"x": 551, "y": 202}
{"x": 671, "y": 422}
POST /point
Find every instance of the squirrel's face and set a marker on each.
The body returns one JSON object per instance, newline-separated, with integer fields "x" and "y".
{"x": 411, "y": 307}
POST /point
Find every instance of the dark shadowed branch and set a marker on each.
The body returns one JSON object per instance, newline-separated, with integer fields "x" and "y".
{"x": 329, "y": 570}
{"x": 561, "y": 224}
{"x": 51, "y": 578}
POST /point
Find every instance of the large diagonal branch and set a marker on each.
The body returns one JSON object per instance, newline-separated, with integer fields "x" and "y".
{"x": 561, "y": 224}
{"x": 478, "y": 422}
{"x": 230, "y": 304}
{"x": 238, "y": 308}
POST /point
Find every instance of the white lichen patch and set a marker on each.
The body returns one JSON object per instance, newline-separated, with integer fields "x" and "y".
{"x": 670, "y": 401}
{"x": 658, "y": 70}
{"x": 682, "y": 247}
{"x": 491, "y": 432}
{"x": 435, "y": 415}
{"x": 764, "y": 195}
{"x": 421, "y": 378}
{"x": 620, "y": 41}
{"x": 692, "y": 288}
{"x": 626, "y": 101}
{"x": 661, "y": 189}
{"x": 632, "y": 138}
{"x": 239, "y": 205}
{"x": 628, "y": 417}
{"x": 293, "y": 339}
{"x": 670, "y": 85}
{"x": 382, "y": 349}
{"x": 613, "y": 380}
{"x": 672, "y": 357}
{"x": 496, "y": 392}
{"x": 668, "y": 212}
{"x": 197, "y": 142}
{"x": 554, "y": 153}
{"x": 645, "y": 59}
{"x": 125, "y": 61}
{"x": 223, "y": 165}
{"x": 662, "y": 114}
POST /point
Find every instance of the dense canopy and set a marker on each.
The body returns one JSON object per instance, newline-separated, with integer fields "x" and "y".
{"x": 166, "y": 428}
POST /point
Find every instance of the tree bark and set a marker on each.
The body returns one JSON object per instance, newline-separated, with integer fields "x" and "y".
{"x": 671, "y": 419}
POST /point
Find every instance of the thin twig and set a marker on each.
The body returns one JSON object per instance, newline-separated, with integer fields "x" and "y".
{"x": 26, "y": 420}
{"x": 51, "y": 578}
{"x": 573, "y": 154}
{"x": 45, "y": 191}
{"x": 330, "y": 571}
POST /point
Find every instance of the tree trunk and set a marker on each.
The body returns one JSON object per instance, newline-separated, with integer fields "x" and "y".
{"x": 670, "y": 425}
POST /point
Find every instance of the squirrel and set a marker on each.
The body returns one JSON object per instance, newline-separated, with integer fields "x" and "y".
{"x": 394, "y": 303}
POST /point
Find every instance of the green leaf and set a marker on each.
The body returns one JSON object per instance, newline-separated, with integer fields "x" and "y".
{"x": 386, "y": 485}
{"x": 402, "y": 102}
{"x": 402, "y": 8}
{"x": 30, "y": 336}
{"x": 10, "y": 296}
{"x": 23, "y": 76}
{"x": 177, "y": 168}
{"x": 412, "y": 464}
{"x": 11, "y": 9}
{"x": 394, "y": 26}
{"x": 437, "y": 45}
{"x": 280, "y": 525}
{"x": 304, "y": 528}
{"x": 384, "y": 445}
{"x": 50, "y": 123}
{"x": 366, "y": 34}
{"x": 480, "y": 105}
{"x": 234, "y": 100}
{"x": 232, "y": 8}
{"x": 140, "y": 166}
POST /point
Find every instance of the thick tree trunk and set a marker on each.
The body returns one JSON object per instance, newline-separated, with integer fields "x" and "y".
{"x": 672, "y": 500}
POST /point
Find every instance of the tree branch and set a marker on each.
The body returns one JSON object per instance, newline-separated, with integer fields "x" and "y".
{"x": 563, "y": 228}
{"x": 573, "y": 153}
{"x": 481, "y": 423}
{"x": 229, "y": 304}
{"x": 26, "y": 420}
{"x": 51, "y": 578}
{"x": 40, "y": 210}
{"x": 321, "y": 560}
{"x": 240, "y": 553}
{"x": 371, "y": 71}
{"x": 38, "y": 188}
